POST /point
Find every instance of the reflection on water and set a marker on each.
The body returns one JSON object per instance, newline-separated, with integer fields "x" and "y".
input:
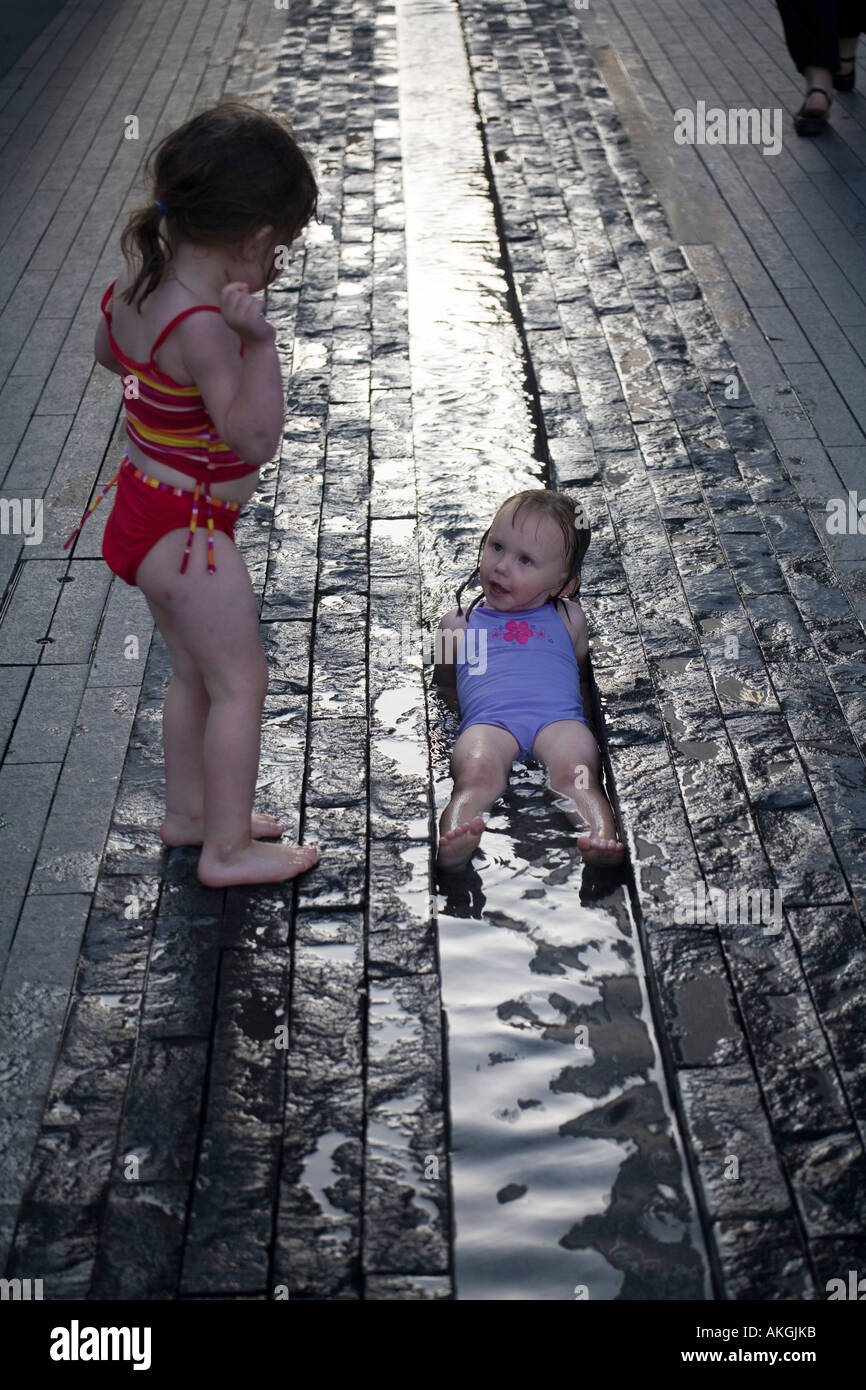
{"x": 566, "y": 1174}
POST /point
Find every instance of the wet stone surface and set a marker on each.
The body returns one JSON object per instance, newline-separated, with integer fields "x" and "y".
{"x": 231, "y": 1094}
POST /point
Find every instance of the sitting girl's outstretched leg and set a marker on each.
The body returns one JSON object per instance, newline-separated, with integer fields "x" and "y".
{"x": 570, "y": 753}
{"x": 213, "y": 620}
{"x": 480, "y": 764}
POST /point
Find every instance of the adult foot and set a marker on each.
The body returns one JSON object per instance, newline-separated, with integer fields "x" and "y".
{"x": 595, "y": 850}
{"x": 456, "y": 847}
{"x": 189, "y": 830}
{"x": 817, "y": 102}
{"x": 257, "y": 863}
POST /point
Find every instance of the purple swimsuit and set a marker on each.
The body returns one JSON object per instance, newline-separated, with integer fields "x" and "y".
{"x": 519, "y": 672}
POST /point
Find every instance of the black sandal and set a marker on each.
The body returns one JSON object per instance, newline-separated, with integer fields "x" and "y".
{"x": 844, "y": 81}
{"x": 813, "y": 122}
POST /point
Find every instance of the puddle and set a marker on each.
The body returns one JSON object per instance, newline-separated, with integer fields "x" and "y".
{"x": 566, "y": 1168}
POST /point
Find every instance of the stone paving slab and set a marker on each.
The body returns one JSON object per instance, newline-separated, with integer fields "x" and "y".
{"x": 722, "y": 562}
{"x": 243, "y": 1093}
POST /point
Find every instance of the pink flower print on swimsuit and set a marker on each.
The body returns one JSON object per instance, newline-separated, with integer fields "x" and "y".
{"x": 517, "y": 632}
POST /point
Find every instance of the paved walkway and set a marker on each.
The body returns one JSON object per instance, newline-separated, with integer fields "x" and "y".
{"x": 155, "y": 1142}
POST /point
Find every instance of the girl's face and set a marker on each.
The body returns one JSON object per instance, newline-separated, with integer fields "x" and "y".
{"x": 522, "y": 562}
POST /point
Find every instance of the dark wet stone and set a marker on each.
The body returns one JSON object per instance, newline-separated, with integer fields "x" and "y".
{"x": 693, "y": 550}
{"x": 767, "y": 755}
{"x": 140, "y": 1247}
{"x": 229, "y": 1235}
{"x": 809, "y": 704}
{"x": 337, "y": 758}
{"x": 407, "y": 1286}
{"x": 645, "y": 1229}
{"x": 318, "y": 1225}
{"x": 801, "y": 854}
{"x": 800, "y": 1084}
{"x": 660, "y": 843}
{"x": 72, "y": 1166}
{"x": 827, "y": 1176}
{"x": 407, "y": 1158}
{"x": 740, "y": 678}
{"x": 840, "y": 1257}
{"x": 738, "y": 1165}
{"x": 91, "y": 1074}
{"x": 338, "y": 879}
{"x": 339, "y": 656}
{"x": 831, "y": 946}
{"x": 159, "y": 1132}
{"x": 181, "y": 980}
{"x": 763, "y": 1259}
{"x": 401, "y": 922}
{"x": 722, "y": 828}
{"x": 753, "y": 562}
{"x": 57, "y": 1244}
{"x": 116, "y": 944}
{"x": 287, "y": 648}
{"x": 779, "y": 628}
{"x": 342, "y": 563}
{"x": 603, "y": 570}
{"x": 698, "y": 1009}
{"x": 763, "y": 474}
{"x": 824, "y": 606}
{"x": 257, "y": 916}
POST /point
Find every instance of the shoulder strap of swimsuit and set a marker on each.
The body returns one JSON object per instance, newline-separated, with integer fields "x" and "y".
{"x": 196, "y": 308}
{"x": 176, "y": 320}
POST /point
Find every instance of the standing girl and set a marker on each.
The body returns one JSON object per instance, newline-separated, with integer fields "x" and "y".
{"x": 231, "y": 190}
{"x": 528, "y": 696}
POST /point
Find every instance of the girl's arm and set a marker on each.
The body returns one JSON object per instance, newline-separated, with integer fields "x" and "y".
{"x": 102, "y": 348}
{"x": 576, "y": 620}
{"x": 243, "y": 395}
{"x": 447, "y": 638}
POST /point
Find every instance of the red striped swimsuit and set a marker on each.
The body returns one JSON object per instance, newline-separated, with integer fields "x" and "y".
{"x": 170, "y": 423}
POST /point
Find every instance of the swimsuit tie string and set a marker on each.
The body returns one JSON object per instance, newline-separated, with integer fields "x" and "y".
{"x": 92, "y": 508}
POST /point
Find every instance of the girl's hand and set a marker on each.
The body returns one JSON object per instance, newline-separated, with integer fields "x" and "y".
{"x": 244, "y": 314}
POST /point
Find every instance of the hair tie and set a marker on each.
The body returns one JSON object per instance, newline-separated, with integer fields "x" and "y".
{"x": 162, "y": 207}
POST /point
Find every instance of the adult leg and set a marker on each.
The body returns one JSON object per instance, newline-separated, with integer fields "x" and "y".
{"x": 570, "y": 753}
{"x": 812, "y": 35}
{"x": 215, "y": 621}
{"x": 480, "y": 763}
{"x": 852, "y": 22}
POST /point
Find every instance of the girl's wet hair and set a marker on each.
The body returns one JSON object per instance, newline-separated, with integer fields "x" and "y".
{"x": 221, "y": 176}
{"x": 569, "y": 516}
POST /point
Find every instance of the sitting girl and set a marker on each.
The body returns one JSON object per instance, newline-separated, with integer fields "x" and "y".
{"x": 526, "y": 690}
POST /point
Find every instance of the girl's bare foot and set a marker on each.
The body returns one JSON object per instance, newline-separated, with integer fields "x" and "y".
{"x": 189, "y": 830}
{"x": 257, "y": 863}
{"x": 457, "y": 846}
{"x": 595, "y": 850}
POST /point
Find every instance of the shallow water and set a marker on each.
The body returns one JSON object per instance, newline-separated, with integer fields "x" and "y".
{"x": 566, "y": 1167}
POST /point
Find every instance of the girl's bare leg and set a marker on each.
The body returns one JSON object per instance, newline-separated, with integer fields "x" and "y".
{"x": 480, "y": 763}
{"x": 214, "y": 621}
{"x": 570, "y": 753}
{"x": 184, "y": 719}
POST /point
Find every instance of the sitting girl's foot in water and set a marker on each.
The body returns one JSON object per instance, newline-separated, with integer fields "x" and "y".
{"x": 256, "y": 863}
{"x": 189, "y": 830}
{"x": 457, "y": 846}
{"x": 594, "y": 850}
